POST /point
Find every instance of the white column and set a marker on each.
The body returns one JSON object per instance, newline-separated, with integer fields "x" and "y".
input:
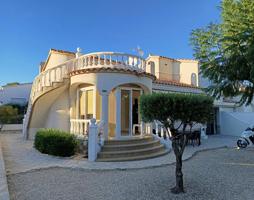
{"x": 130, "y": 117}
{"x": 94, "y": 102}
{"x": 104, "y": 113}
{"x": 156, "y": 128}
{"x": 142, "y": 128}
{"x": 77, "y": 104}
{"x": 118, "y": 113}
{"x": 92, "y": 141}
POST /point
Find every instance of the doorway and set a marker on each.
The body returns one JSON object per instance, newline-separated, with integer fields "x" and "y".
{"x": 130, "y": 117}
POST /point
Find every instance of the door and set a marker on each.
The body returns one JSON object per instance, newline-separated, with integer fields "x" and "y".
{"x": 125, "y": 112}
{"x": 135, "y": 112}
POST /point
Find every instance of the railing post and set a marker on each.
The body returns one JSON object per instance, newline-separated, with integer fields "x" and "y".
{"x": 203, "y": 132}
{"x": 92, "y": 140}
{"x": 110, "y": 60}
{"x": 156, "y": 128}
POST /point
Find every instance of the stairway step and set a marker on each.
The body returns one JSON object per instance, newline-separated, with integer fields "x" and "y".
{"x": 128, "y": 153}
{"x": 121, "y": 147}
{"x": 129, "y": 141}
{"x": 133, "y": 158}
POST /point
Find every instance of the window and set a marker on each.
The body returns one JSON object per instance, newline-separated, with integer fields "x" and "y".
{"x": 194, "y": 79}
{"x": 152, "y": 67}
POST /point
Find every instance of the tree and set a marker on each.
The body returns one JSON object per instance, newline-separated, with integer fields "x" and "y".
{"x": 8, "y": 115}
{"x": 226, "y": 51}
{"x": 171, "y": 108}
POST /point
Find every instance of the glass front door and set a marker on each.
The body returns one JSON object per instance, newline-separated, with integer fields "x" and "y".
{"x": 125, "y": 112}
{"x": 130, "y": 117}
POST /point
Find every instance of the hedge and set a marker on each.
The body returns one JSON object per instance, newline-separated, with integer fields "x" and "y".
{"x": 55, "y": 142}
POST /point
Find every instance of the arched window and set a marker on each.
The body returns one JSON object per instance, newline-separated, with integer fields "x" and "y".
{"x": 152, "y": 67}
{"x": 194, "y": 79}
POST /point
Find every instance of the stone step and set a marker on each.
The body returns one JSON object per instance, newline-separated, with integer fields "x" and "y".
{"x": 135, "y": 146}
{"x": 129, "y": 141}
{"x": 133, "y": 158}
{"x": 129, "y": 153}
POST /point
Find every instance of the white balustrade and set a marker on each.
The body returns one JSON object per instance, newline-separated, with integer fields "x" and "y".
{"x": 79, "y": 126}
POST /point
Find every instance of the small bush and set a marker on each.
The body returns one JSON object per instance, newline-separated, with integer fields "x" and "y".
{"x": 55, "y": 142}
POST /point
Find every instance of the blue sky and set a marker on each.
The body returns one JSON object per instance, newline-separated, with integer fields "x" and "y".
{"x": 29, "y": 28}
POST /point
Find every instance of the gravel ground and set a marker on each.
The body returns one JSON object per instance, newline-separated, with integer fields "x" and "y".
{"x": 216, "y": 174}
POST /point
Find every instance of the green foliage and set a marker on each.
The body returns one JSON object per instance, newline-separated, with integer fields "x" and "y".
{"x": 170, "y": 108}
{"x": 226, "y": 50}
{"x": 12, "y": 83}
{"x": 21, "y": 108}
{"x": 55, "y": 142}
{"x": 9, "y": 115}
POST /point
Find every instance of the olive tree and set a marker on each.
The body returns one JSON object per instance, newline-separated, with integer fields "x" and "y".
{"x": 170, "y": 109}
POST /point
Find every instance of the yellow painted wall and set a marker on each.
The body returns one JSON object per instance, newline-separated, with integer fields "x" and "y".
{"x": 112, "y": 113}
{"x": 57, "y": 59}
{"x": 98, "y": 106}
{"x": 186, "y": 69}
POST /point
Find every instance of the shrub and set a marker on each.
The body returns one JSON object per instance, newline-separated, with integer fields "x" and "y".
{"x": 8, "y": 114}
{"x": 55, "y": 142}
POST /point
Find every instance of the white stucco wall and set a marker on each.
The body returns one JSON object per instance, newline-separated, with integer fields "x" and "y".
{"x": 234, "y": 123}
{"x": 59, "y": 113}
{"x": 15, "y": 94}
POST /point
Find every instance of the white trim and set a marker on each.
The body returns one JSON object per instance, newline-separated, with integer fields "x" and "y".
{"x": 118, "y": 112}
{"x": 130, "y": 89}
{"x": 77, "y": 104}
{"x": 94, "y": 102}
{"x": 130, "y": 113}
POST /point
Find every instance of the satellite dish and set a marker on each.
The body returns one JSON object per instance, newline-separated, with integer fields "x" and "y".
{"x": 139, "y": 51}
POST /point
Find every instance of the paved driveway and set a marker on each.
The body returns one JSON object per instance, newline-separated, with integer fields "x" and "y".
{"x": 216, "y": 174}
{"x": 20, "y": 156}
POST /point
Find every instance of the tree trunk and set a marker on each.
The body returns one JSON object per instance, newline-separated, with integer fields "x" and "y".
{"x": 178, "y": 145}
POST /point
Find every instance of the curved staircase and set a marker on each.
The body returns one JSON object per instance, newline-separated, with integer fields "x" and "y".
{"x": 131, "y": 149}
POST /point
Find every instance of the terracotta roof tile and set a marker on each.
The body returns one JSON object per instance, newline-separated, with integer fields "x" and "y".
{"x": 175, "y": 83}
{"x": 62, "y": 51}
{"x": 110, "y": 69}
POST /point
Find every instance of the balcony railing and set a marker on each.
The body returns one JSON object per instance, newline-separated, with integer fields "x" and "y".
{"x": 109, "y": 59}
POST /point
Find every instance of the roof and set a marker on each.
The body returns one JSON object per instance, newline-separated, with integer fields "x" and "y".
{"x": 176, "y": 59}
{"x": 56, "y": 51}
{"x": 16, "y": 84}
{"x": 175, "y": 83}
{"x": 187, "y": 60}
{"x": 172, "y": 59}
{"x": 112, "y": 70}
{"x": 62, "y": 51}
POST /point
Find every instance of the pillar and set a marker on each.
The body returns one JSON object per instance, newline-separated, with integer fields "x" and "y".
{"x": 118, "y": 113}
{"x": 104, "y": 113}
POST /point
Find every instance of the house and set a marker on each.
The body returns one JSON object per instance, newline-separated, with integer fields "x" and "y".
{"x": 15, "y": 93}
{"x": 72, "y": 88}
{"x": 230, "y": 118}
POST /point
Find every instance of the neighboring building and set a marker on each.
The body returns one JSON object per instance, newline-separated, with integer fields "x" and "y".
{"x": 177, "y": 70}
{"x": 229, "y": 117}
{"x": 15, "y": 93}
{"x": 73, "y": 88}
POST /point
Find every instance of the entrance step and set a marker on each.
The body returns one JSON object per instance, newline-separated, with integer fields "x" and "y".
{"x": 131, "y": 149}
{"x": 129, "y": 141}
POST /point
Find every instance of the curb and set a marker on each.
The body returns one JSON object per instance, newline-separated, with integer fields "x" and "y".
{"x": 4, "y": 192}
